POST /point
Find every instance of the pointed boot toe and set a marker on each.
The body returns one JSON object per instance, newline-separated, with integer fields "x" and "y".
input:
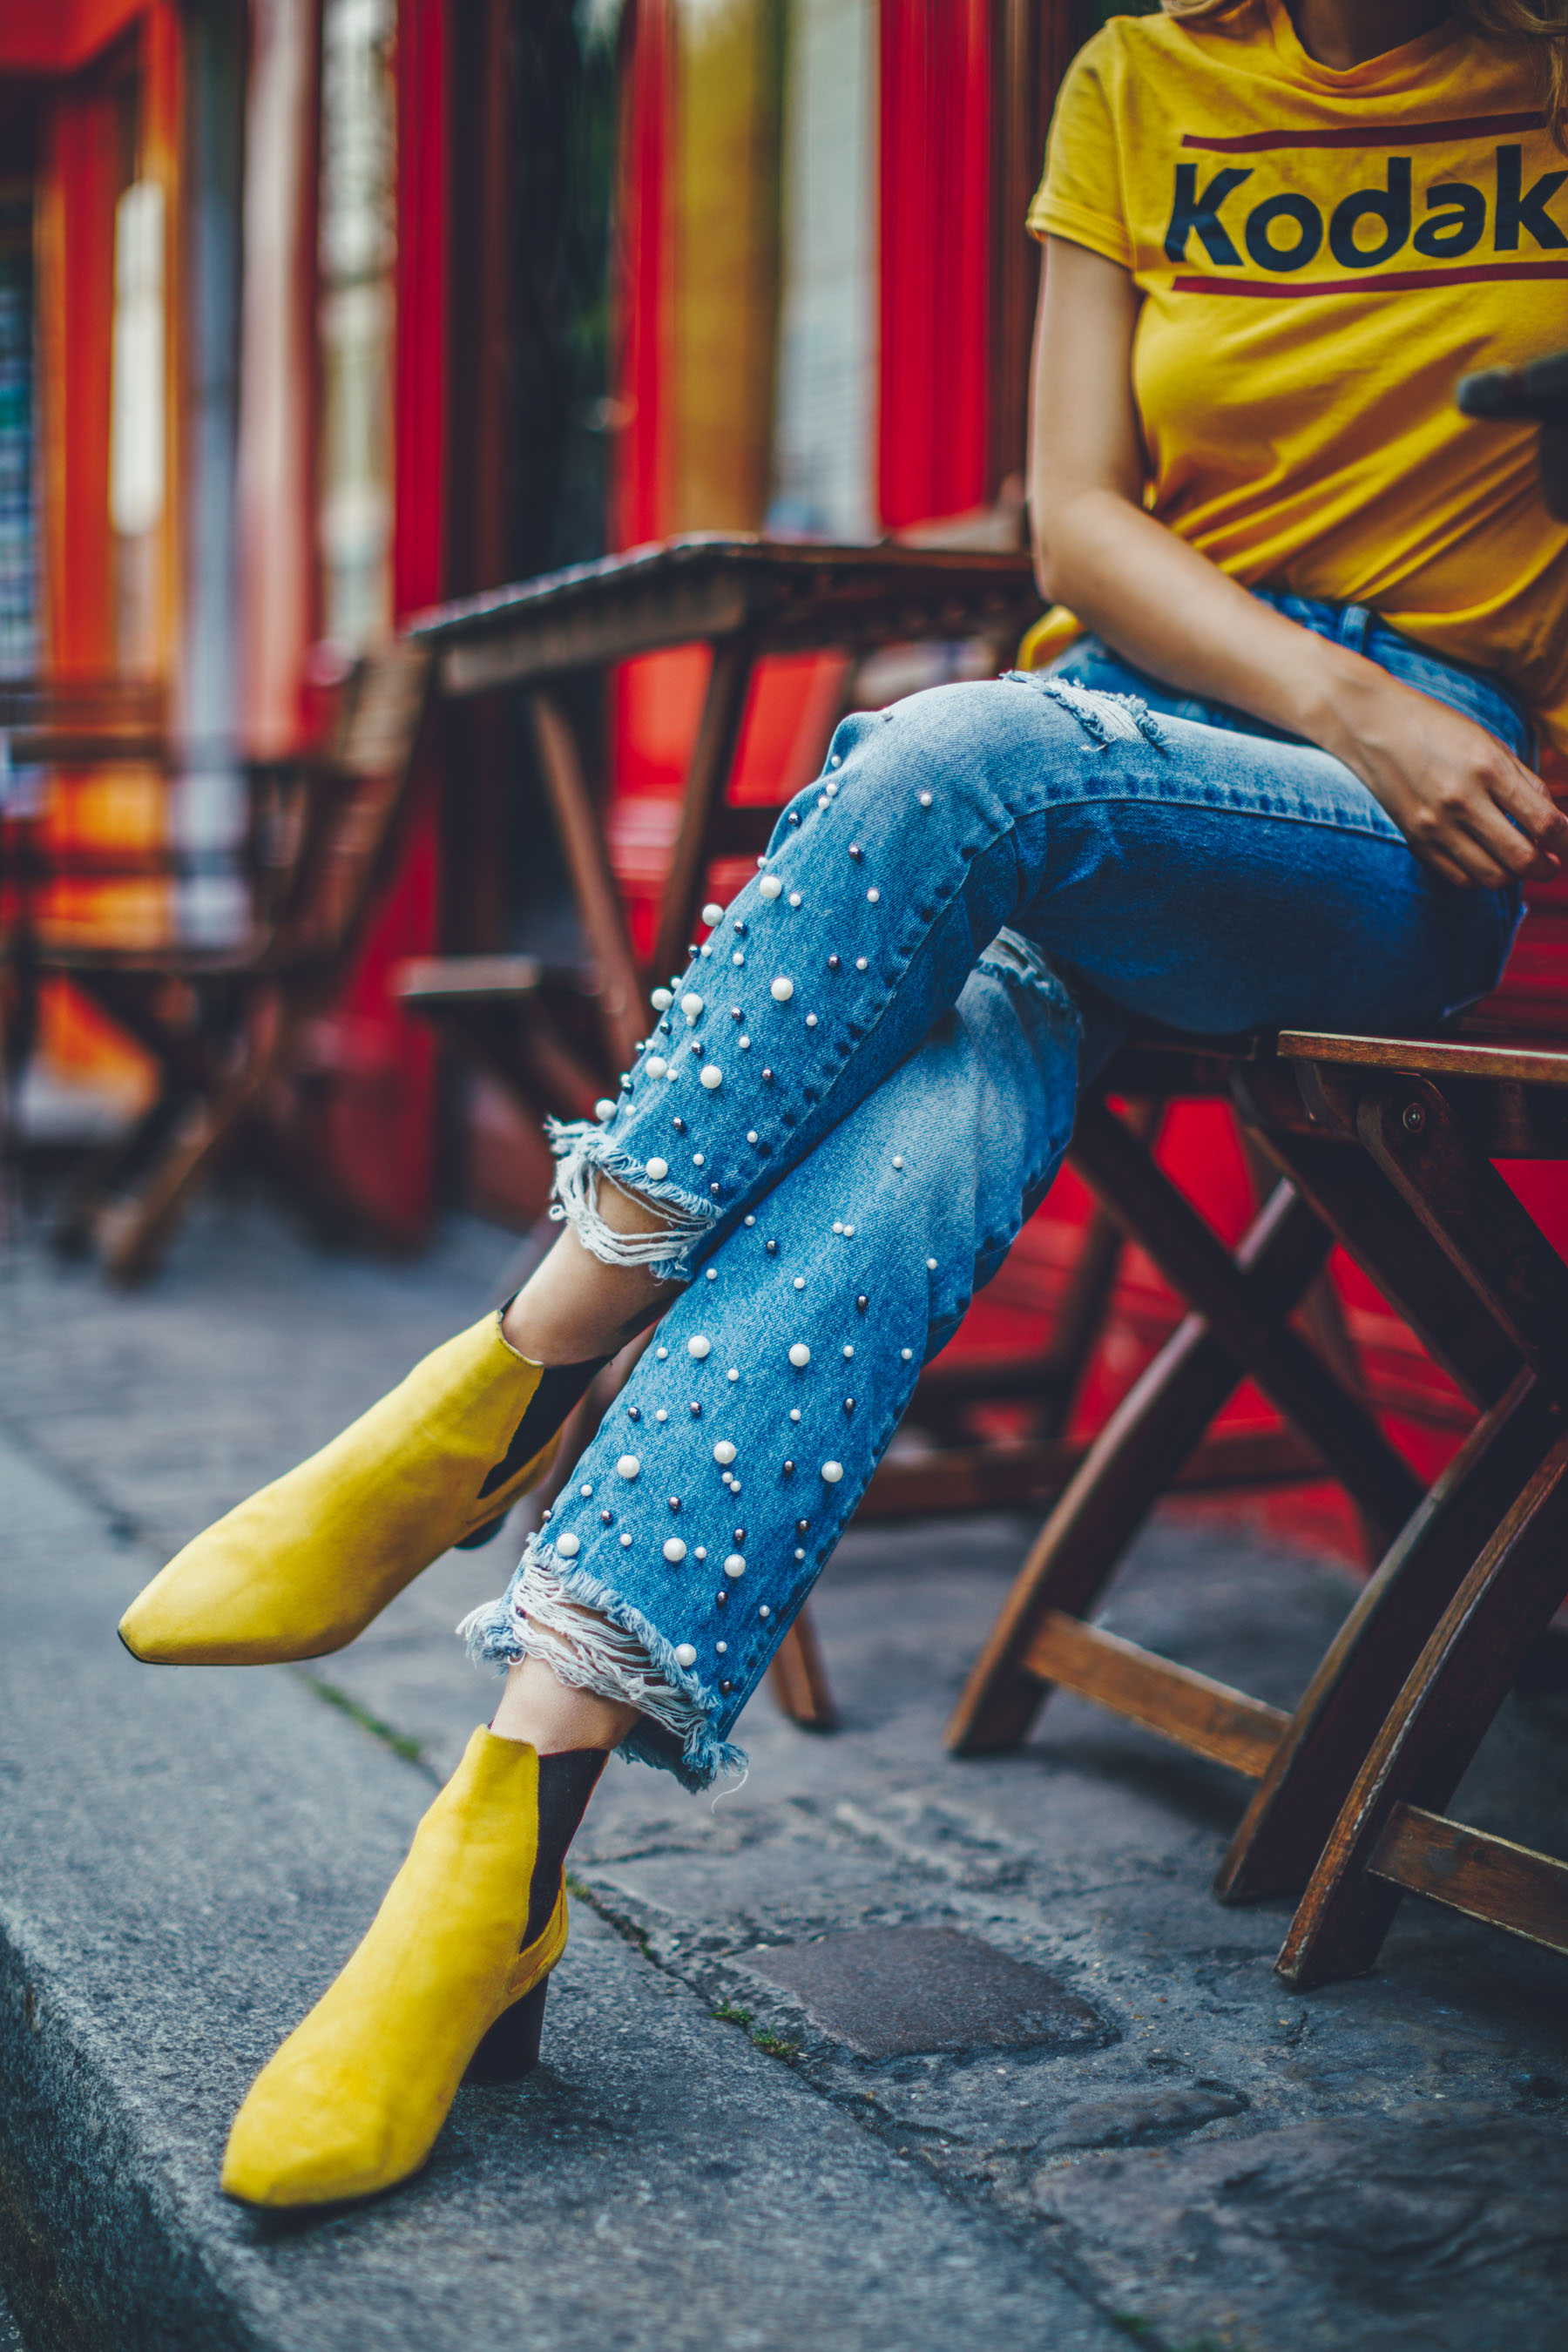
{"x": 299, "y": 2142}
{"x": 352, "y": 2102}
{"x": 302, "y": 1568}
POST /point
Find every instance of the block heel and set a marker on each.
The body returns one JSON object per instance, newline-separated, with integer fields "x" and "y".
{"x": 511, "y": 2049}
{"x": 442, "y": 1983}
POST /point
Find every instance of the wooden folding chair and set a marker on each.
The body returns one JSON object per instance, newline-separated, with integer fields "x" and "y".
{"x": 1349, "y": 1780}
{"x": 226, "y": 1027}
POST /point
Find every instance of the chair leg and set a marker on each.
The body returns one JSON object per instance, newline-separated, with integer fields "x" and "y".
{"x": 1437, "y": 1722}
{"x": 1292, "y": 1375}
{"x": 135, "y": 1235}
{"x": 1365, "y": 1213}
{"x": 75, "y": 1227}
{"x": 1128, "y": 1468}
{"x": 1323, "y": 1316}
{"x": 623, "y": 1013}
{"x": 190, "y": 1061}
{"x": 1295, "y": 1805}
{"x": 1412, "y": 1133}
{"x": 1080, "y": 1322}
{"x": 799, "y": 1677}
{"x": 712, "y": 756}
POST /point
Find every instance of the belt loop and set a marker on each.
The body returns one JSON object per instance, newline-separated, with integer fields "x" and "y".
{"x": 1355, "y": 622}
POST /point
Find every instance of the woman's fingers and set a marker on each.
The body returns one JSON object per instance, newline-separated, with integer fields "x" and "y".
{"x": 1469, "y": 808}
{"x": 1467, "y": 841}
{"x": 1446, "y": 869}
{"x": 1453, "y": 856}
{"x": 1475, "y": 867}
{"x": 1485, "y": 824}
{"x": 1525, "y": 798}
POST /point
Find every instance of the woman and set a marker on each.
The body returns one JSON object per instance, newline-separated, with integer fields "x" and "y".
{"x": 1287, "y": 780}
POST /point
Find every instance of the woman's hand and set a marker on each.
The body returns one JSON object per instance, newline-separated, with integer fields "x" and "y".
{"x": 1469, "y": 809}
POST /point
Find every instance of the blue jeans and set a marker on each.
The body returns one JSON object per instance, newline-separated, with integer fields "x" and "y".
{"x": 866, "y": 1081}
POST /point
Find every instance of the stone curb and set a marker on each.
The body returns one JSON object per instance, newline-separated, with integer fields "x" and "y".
{"x": 185, "y": 1860}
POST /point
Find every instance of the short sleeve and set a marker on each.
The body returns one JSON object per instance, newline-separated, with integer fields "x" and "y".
{"x": 1081, "y": 197}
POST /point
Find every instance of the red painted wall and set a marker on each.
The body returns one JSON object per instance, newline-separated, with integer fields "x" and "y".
{"x": 79, "y": 185}
{"x": 55, "y": 36}
{"x": 936, "y": 248}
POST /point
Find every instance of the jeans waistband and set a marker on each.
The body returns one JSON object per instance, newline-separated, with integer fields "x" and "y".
{"x": 1475, "y": 692}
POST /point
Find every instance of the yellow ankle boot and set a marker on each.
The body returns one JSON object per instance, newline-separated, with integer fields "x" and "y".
{"x": 355, "y": 2098}
{"x": 303, "y": 1566}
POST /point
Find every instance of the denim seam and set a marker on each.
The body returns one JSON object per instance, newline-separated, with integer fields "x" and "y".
{"x": 1372, "y": 832}
{"x": 1032, "y": 970}
{"x": 967, "y": 851}
{"x": 814, "y": 1094}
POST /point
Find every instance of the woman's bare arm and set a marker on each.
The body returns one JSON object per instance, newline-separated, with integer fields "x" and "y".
{"x": 1473, "y": 811}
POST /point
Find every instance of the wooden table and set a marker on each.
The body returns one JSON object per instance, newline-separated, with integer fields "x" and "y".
{"x": 747, "y": 598}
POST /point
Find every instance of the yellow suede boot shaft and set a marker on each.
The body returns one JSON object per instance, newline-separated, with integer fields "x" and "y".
{"x": 354, "y": 2100}
{"x": 302, "y": 1566}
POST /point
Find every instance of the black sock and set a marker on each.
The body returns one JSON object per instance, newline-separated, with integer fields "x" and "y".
{"x": 566, "y": 1784}
{"x": 560, "y": 1386}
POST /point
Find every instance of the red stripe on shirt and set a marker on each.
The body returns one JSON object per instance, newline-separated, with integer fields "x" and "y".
{"x": 1401, "y": 135}
{"x": 1384, "y": 281}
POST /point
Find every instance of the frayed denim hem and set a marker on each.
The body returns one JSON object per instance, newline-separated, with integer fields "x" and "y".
{"x": 586, "y": 1153}
{"x": 593, "y": 1641}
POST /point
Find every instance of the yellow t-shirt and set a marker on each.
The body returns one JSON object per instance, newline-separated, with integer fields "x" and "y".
{"x": 1321, "y": 255}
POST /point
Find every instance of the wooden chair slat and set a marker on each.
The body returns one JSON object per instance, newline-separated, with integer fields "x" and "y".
{"x": 1488, "y": 1878}
{"x": 440, "y": 980}
{"x": 1193, "y": 1710}
{"x": 623, "y": 1013}
{"x": 799, "y": 1677}
{"x": 1004, "y": 1474}
{"x": 718, "y": 734}
{"x": 1367, "y": 1217}
{"x": 1527, "y": 1060}
{"x": 1131, "y": 1463}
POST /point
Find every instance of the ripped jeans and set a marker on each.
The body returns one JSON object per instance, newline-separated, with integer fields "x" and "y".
{"x": 866, "y": 1081}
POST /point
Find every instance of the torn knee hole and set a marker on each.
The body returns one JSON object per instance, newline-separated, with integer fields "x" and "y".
{"x": 1105, "y": 718}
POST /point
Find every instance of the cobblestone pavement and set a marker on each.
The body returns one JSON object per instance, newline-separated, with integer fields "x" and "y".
{"x": 1218, "y": 2162}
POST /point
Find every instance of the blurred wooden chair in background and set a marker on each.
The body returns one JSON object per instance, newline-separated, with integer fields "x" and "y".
{"x": 225, "y": 1026}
